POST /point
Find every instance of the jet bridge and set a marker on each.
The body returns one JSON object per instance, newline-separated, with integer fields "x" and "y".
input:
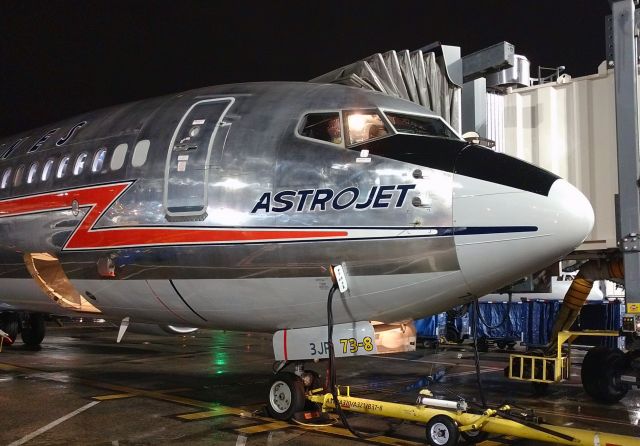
{"x": 585, "y": 130}
{"x": 430, "y": 76}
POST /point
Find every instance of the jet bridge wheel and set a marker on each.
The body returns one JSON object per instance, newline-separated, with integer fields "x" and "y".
{"x": 601, "y": 370}
{"x": 286, "y": 396}
{"x": 442, "y": 431}
{"x": 33, "y": 329}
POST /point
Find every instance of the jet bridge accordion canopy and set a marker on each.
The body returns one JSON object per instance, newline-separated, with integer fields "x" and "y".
{"x": 417, "y": 76}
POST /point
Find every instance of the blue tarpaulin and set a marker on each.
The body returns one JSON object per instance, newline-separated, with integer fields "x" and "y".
{"x": 430, "y": 327}
{"x": 530, "y": 321}
{"x": 539, "y": 317}
{"x": 600, "y": 316}
{"x": 508, "y": 327}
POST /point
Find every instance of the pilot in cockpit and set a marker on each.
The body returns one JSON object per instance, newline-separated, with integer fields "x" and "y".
{"x": 333, "y": 129}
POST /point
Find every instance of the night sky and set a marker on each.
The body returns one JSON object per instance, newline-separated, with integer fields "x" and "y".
{"x": 61, "y": 58}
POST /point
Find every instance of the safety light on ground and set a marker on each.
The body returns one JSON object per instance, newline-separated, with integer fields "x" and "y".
{"x": 339, "y": 277}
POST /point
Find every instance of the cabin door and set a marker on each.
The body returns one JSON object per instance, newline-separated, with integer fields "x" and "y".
{"x": 187, "y": 169}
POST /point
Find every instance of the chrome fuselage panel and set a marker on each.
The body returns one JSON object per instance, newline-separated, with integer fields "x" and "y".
{"x": 261, "y": 268}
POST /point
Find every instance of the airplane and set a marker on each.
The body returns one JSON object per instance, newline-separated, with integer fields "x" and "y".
{"x": 226, "y": 207}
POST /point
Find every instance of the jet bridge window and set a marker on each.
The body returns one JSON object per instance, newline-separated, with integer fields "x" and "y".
{"x": 420, "y": 125}
{"x": 363, "y": 126}
{"x": 322, "y": 126}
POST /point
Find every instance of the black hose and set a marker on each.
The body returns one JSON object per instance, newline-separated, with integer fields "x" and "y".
{"x": 474, "y": 329}
{"x": 332, "y": 375}
{"x": 504, "y": 318}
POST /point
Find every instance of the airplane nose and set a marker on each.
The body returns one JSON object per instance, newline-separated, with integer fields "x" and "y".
{"x": 513, "y": 219}
{"x": 573, "y": 214}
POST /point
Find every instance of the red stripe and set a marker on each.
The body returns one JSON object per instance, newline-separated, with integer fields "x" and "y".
{"x": 286, "y": 356}
{"x": 99, "y": 198}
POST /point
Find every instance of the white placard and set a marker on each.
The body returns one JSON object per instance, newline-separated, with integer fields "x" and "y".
{"x": 351, "y": 339}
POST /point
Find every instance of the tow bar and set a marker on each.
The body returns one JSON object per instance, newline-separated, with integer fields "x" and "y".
{"x": 446, "y": 420}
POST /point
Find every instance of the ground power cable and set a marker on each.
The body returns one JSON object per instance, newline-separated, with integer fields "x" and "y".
{"x": 332, "y": 375}
{"x": 476, "y": 356}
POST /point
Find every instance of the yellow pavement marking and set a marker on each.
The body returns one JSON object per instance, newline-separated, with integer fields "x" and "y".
{"x": 118, "y": 396}
{"x": 115, "y": 396}
{"x": 264, "y": 427}
{"x": 270, "y": 424}
{"x": 345, "y": 433}
{"x": 216, "y": 412}
{"x": 177, "y": 389}
{"x": 9, "y": 367}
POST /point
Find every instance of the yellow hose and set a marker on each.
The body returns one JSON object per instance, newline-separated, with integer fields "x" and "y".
{"x": 579, "y": 290}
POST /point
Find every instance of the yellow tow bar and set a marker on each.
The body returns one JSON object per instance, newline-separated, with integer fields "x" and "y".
{"x": 489, "y": 421}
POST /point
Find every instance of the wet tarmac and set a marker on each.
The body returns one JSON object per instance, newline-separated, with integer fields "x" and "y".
{"x": 81, "y": 387}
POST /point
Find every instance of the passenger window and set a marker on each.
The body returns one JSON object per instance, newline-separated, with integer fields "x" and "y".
{"x": 420, "y": 125}
{"x": 62, "y": 167}
{"x": 31, "y": 176}
{"x": 140, "y": 152}
{"x": 364, "y": 126}
{"x": 80, "y": 162}
{"x": 17, "y": 180}
{"x": 119, "y": 154}
{"x": 98, "y": 160}
{"x": 322, "y": 126}
{"x": 46, "y": 170}
{"x": 5, "y": 178}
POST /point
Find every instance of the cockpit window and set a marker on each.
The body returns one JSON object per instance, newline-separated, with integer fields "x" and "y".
{"x": 322, "y": 126}
{"x": 420, "y": 125}
{"x": 363, "y": 126}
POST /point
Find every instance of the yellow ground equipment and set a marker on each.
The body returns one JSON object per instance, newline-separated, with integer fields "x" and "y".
{"x": 543, "y": 370}
{"x": 447, "y": 420}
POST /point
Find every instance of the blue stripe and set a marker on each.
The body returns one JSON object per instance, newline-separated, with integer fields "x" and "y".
{"x": 478, "y": 230}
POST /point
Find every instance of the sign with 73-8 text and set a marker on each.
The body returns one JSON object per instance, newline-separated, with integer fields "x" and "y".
{"x": 351, "y": 339}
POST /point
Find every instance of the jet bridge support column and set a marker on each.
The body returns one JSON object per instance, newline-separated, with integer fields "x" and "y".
{"x": 626, "y": 99}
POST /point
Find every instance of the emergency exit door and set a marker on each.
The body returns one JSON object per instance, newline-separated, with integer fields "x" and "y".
{"x": 187, "y": 167}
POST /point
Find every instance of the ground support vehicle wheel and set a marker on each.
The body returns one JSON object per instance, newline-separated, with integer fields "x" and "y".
{"x": 286, "y": 396}
{"x": 473, "y": 437}
{"x": 33, "y": 329}
{"x": 442, "y": 431}
{"x": 601, "y": 371}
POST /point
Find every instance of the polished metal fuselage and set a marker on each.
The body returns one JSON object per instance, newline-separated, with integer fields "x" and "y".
{"x": 398, "y": 265}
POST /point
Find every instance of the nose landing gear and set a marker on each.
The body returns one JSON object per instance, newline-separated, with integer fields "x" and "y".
{"x": 286, "y": 396}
